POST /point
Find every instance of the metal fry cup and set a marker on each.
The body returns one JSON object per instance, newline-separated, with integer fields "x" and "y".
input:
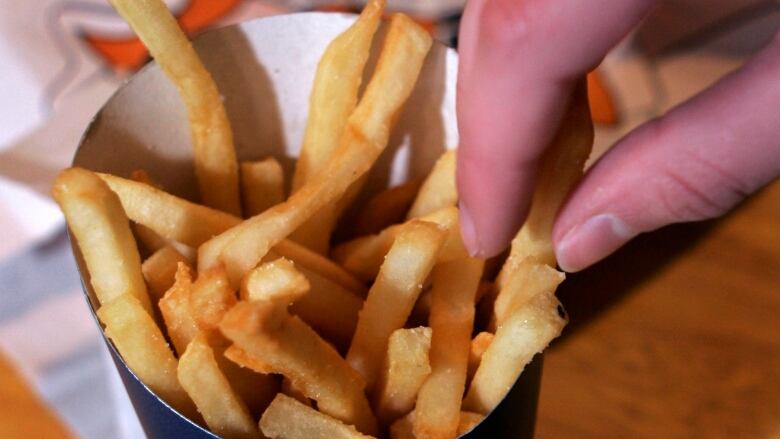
{"x": 264, "y": 69}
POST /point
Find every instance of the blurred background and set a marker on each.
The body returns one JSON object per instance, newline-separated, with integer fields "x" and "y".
{"x": 677, "y": 335}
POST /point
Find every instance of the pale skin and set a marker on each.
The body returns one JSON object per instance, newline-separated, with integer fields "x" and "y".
{"x": 519, "y": 61}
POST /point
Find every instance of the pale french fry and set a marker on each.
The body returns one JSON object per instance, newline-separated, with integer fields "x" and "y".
{"x": 175, "y": 310}
{"x": 179, "y": 220}
{"x": 144, "y": 350}
{"x": 438, "y": 190}
{"x": 262, "y": 185}
{"x": 210, "y": 298}
{"x": 159, "y": 270}
{"x": 283, "y": 344}
{"x": 561, "y": 168}
{"x": 529, "y": 279}
{"x": 391, "y": 298}
{"x": 386, "y": 208}
{"x": 405, "y": 369}
{"x": 277, "y": 281}
{"x": 222, "y": 409}
{"x": 467, "y": 422}
{"x": 214, "y": 155}
{"x": 102, "y": 230}
{"x": 438, "y": 406}
{"x": 150, "y": 239}
{"x": 365, "y": 137}
{"x": 289, "y": 389}
{"x": 287, "y": 418}
{"x": 478, "y": 347}
{"x": 523, "y": 334}
{"x": 363, "y": 256}
{"x": 333, "y": 98}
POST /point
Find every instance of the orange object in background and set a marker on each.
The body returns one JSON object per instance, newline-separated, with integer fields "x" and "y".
{"x": 22, "y": 413}
{"x": 602, "y": 106}
{"x": 130, "y": 53}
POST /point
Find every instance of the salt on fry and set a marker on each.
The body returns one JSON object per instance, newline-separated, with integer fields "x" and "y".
{"x": 214, "y": 155}
{"x": 102, "y": 230}
{"x": 391, "y": 298}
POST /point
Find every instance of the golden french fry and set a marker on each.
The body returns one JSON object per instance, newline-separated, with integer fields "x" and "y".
{"x": 391, "y": 298}
{"x": 179, "y": 220}
{"x": 143, "y": 347}
{"x": 523, "y": 334}
{"x": 386, "y": 208}
{"x": 175, "y": 310}
{"x": 529, "y": 279}
{"x": 287, "y": 418}
{"x": 284, "y": 344}
{"x": 329, "y": 308}
{"x": 365, "y": 137}
{"x": 148, "y": 237}
{"x": 403, "y": 428}
{"x": 102, "y": 231}
{"x": 210, "y": 298}
{"x": 276, "y": 281}
{"x": 159, "y": 270}
{"x": 405, "y": 369}
{"x": 212, "y": 138}
{"x": 333, "y": 98}
{"x": 467, "y": 422}
{"x": 561, "y": 168}
{"x": 289, "y": 389}
{"x": 479, "y": 345}
{"x": 438, "y": 190}
{"x": 222, "y": 409}
{"x": 262, "y": 185}
{"x": 438, "y": 404}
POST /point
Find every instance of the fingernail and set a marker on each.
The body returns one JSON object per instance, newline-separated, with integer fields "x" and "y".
{"x": 590, "y": 241}
{"x": 468, "y": 232}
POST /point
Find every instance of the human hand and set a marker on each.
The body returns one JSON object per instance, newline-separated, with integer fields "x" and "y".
{"x": 519, "y": 61}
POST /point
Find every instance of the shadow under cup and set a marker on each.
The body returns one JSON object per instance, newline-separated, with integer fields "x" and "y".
{"x": 264, "y": 68}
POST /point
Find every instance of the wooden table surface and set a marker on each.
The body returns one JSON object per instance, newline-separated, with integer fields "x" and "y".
{"x": 675, "y": 336}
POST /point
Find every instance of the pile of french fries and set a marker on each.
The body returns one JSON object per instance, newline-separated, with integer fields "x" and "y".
{"x": 246, "y": 326}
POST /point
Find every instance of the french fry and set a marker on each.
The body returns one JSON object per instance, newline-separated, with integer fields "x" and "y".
{"x": 523, "y": 334}
{"x": 276, "y": 281}
{"x": 386, "y": 208}
{"x": 403, "y": 428}
{"x": 159, "y": 270}
{"x": 438, "y": 190}
{"x": 144, "y": 350}
{"x": 214, "y": 155}
{"x": 528, "y": 280}
{"x": 467, "y": 422}
{"x": 405, "y": 369}
{"x": 210, "y": 298}
{"x": 421, "y": 310}
{"x": 438, "y": 406}
{"x": 363, "y": 256}
{"x": 148, "y": 237}
{"x": 283, "y": 344}
{"x": 333, "y": 98}
{"x": 262, "y": 185}
{"x": 102, "y": 230}
{"x": 289, "y": 389}
{"x": 175, "y": 310}
{"x": 391, "y": 298}
{"x": 222, "y": 409}
{"x": 478, "y": 347}
{"x": 287, "y": 418}
{"x": 255, "y": 389}
{"x": 561, "y": 168}
{"x": 179, "y": 220}
{"x": 365, "y": 137}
